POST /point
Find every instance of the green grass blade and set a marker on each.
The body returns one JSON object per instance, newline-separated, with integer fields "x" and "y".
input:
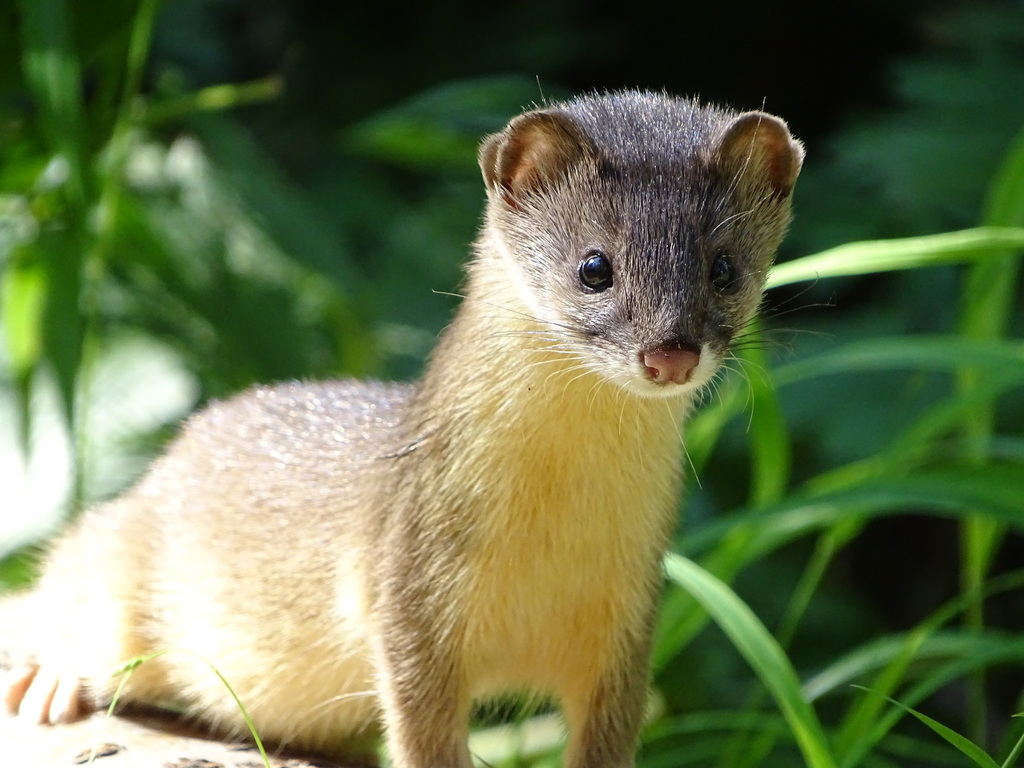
{"x": 22, "y": 306}
{"x": 879, "y": 653}
{"x": 867, "y": 257}
{"x": 760, "y": 650}
{"x": 997, "y": 357}
{"x": 1015, "y": 753}
{"x": 729, "y": 545}
{"x": 680, "y": 618}
{"x": 962, "y": 743}
{"x": 916, "y": 444}
{"x": 770, "y": 449}
{"x": 213, "y": 98}
{"x": 949, "y": 491}
{"x": 914, "y": 751}
{"x": 1001, "y": 359}
{"x": 138, "y": 49}
{"x": 54, "y": 76}
{"x": 1004, "y": 203}
{"x": 125, "y": 669}
{"x": 671, "y": 742}
{"x": 875, "y": 654}
{"x": 988, "y": 298}
{"x": 748, "y": 753}
{"x": 863, "y": 726}
{"x": 978, "y": 651}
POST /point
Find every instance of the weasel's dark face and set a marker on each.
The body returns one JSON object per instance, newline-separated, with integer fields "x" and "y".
{"x": 647, "y": 261}
{"x": 647, "y": 282}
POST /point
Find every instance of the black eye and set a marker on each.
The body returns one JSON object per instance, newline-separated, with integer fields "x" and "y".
{"x": 724, "y": 275}
{"x": 596, "y": 271}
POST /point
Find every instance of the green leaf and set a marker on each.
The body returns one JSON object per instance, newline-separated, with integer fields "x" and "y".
{"x": 22, "y": 302}
{"x": 965, "y": 745}
{"x": 952, "y": 490}
{"x": 18, "y": 568}
{"x": 22, "y": 309}
{"x": 761, "y": 651}
{"x": 1004, "y": 205}
{"x": 770, "y": 447}
{"x": 988, "y": 298}
{"x": 862, "y": 727}
{"x": 244, "y": 177}
{"x": 906, "y": 253}
{"x": 997, "y": 357}
{"x": 440, "y": 129}
{"x": 877, "y": 653}
{"x": 63, "y": 327}
{"x": 54, "y": 75}
{"x": 1015, "y": 753}
{"x": 729, "y": 545}
{"x": 986, "y": 649}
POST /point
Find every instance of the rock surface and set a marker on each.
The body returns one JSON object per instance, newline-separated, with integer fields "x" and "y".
{"x": 150, "y": 741}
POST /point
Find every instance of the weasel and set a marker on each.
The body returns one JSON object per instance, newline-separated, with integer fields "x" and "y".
{"x": 365, "y": 557}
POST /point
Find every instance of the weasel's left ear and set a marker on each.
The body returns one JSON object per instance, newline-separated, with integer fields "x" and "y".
{"x": 534, "y": 151}
{"x": 759, "y": 149}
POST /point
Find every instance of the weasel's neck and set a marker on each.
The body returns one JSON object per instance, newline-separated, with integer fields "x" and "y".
{"x": 517, "y": 418}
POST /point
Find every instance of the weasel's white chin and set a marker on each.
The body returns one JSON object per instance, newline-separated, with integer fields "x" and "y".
{"x": 664, "y": 391}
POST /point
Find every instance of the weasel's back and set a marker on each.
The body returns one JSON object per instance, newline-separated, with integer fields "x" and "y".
{"x": 255, "y": 512}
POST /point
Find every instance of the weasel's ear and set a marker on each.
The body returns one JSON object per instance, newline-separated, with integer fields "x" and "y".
{"x": 758, "y": 147}
{"x": 534, "y": 151}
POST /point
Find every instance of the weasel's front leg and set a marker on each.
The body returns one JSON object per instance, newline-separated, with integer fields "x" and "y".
{"x": 420, "y": 681}
{"x": 604, "y": 718}
{"x": 426, "y": 712}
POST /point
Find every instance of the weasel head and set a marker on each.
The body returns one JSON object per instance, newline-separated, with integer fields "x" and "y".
{"x": 639, "y": 229}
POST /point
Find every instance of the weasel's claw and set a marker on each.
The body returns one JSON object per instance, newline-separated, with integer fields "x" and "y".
{"x": 15, "y": 684}
{"x": 42, "y": 696}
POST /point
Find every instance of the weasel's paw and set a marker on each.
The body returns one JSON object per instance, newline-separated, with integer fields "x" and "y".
{"x": 42, "y": 696}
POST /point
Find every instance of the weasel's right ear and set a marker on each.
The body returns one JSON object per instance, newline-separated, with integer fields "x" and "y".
{"x": 534, "y": 151}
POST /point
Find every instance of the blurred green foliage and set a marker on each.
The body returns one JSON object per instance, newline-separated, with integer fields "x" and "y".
{"x": 202, "y": 194}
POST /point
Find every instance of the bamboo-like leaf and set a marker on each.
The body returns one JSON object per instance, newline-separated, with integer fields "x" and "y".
{"x": 988, "y": 649}
{"x": 1015, "y": 753}
{"x": 997, "y": 357}
{"x": 769, "y": 440}
{"x": 441, "y": 127}
{"x": 54, "y": 75}
{"x": 906, "y": 253}
{"x": 862, "y": 727}
{"x": 1004, "y": 204}
{"x": 948, "y": 491}
{"x": 22, "y": 300}
{"x": 875, "y": 654}
{"x": 730, "y": 545}
{"x": 987, "y": 300}
{"x": 1002, "y": 360}
{"x": 761, "y": 651}
{"x": 962, "y": 743}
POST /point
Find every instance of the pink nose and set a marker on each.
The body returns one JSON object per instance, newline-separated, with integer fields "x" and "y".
{"x": 674, "y": 364}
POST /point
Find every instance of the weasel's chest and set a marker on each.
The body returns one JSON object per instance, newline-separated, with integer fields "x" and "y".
{"x": 559, "y": 578}
{"x": 567, "y": 490}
